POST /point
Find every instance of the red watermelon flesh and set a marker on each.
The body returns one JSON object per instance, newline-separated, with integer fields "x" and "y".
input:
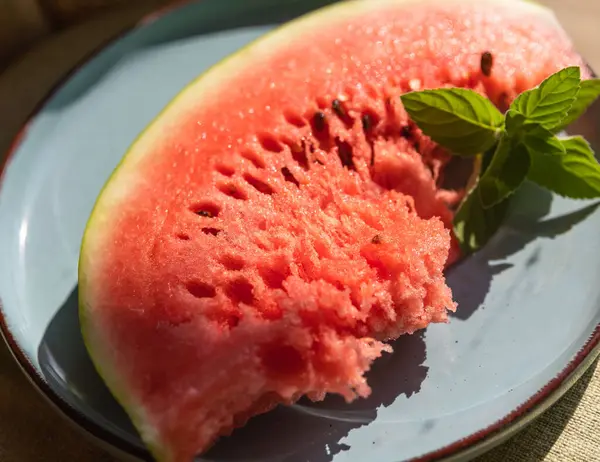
{"x": 283, "y": 217}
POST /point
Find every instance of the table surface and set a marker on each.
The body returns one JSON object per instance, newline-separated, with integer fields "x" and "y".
{"x": 31, "y": 431}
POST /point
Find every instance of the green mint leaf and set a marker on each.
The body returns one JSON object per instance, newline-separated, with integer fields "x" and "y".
{"x": 588, "y": 92}
{"x": 514, "y": 122}
{"x": 486, "y": 160}
{"x": 507, "y": 170}
{"x": 475, "y": 225}
{"x": 541, "y": 141}
{"x": 550, "y": 102}
{"x": 459, "y": 119}
{"x": 575, "y": 174}
{"x": 534, "y": 136}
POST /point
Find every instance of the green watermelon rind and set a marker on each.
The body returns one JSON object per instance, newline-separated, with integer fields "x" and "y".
{"x": 123, "y": 177}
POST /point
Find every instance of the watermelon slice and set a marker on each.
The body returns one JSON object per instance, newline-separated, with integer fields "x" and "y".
{"x": 282, "y": 218}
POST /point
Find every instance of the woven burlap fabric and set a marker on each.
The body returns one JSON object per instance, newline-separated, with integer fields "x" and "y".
{"x": 30, "y": 430}
{"x": 568, "y": 431}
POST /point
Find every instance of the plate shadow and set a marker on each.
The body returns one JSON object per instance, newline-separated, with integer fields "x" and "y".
{"x": 69, "y": 371}
{"x": 471, "y": 278}
{"x": 307, "y": 429}
{"x": 313, "y": 431}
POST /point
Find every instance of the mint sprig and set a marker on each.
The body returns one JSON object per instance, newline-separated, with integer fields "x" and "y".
{"x": 539, "y": 140}
{"x": 508, "y": 169}
{"x": 550, "y": 102}
{"x": 589, "y": 90}
{"x": 519, "y": 145}
{"x": 474, "y": 225}
{"x": 459, "y": 119}
{"x": 575, "y": 175}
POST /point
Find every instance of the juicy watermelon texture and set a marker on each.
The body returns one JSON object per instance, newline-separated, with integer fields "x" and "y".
{"x": 289, "y": 217}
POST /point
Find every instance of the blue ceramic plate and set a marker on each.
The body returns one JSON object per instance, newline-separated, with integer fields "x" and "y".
{"x": 529, "y": 303}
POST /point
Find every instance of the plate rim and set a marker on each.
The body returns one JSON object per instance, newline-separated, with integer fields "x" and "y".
{"x": 463, "y": 449}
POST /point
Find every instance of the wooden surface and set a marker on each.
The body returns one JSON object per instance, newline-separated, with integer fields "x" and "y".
{"x": 30, "y": 431}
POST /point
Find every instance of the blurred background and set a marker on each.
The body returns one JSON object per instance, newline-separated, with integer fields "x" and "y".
{"x": 24, "y": 22}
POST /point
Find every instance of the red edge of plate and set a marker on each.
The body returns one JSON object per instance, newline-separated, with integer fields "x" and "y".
{"x": 592, "y": 346}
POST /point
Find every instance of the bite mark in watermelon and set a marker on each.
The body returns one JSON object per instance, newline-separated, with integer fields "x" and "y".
{"x": 282, "y": 218}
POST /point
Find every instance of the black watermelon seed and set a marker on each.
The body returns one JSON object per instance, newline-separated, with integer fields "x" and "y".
{"x": 213, "y": 231}
{"x": 319, "y": 121}
{"x": 487, "y": 61}
{"x": 337, "y": 107}
{"x": 367, "y": 122}
{"x": 204, "y": 213}
{"x": 345, "y": 154}
{"x": 376, "y": 239}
